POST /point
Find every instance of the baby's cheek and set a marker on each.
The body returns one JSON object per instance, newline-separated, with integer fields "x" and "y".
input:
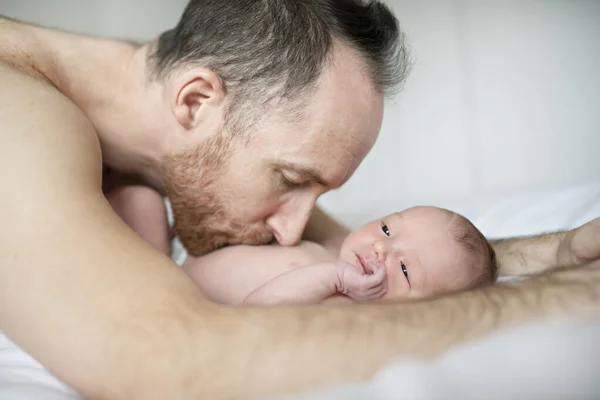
{"x": 396, "y": 290}
{"x": 347, "y": 256}
{"x": 393, "y": 293}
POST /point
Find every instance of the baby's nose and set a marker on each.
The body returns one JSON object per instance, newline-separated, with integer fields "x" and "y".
{"x": 380, "y": 250}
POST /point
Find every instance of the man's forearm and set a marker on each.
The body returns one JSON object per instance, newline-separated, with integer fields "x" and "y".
{"x": 253, "y": 352}
{"x": 528, "y": 255}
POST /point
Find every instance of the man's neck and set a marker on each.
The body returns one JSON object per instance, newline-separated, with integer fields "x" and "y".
{"x": 107, "y": 80}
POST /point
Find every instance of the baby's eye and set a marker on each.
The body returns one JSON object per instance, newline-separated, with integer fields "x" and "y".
{"x": 404, "y": 270}
{"x": 385, "y": 229}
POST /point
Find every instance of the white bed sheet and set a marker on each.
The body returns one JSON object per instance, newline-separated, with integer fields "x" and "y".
{"x": 22, "y": 377}
{"x": 538, "y": 362}
{"x": 530, "y": 212}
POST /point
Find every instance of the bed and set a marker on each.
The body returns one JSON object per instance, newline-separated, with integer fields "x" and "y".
{"x": 549, "y": 360}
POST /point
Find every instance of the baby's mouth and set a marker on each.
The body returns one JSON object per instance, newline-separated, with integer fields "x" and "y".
{"x": 360, "y": 262}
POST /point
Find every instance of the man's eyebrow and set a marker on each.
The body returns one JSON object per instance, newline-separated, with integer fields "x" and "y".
{"x": 308, "y": 171}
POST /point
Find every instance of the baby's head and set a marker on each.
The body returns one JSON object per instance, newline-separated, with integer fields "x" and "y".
{"x": 427, "y": 251}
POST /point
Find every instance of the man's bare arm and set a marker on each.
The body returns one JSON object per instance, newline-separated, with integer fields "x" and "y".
{"x": 297, "y": 356}
{"x": 527, "y": 255}
{"x": 92, "y": 301}
{"x": 531, "y": 255}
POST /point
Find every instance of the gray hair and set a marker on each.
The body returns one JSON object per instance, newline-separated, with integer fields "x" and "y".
{"x": 277, "y": 48}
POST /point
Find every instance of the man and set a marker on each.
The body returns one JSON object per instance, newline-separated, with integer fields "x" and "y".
{"x": 243, "y": 114}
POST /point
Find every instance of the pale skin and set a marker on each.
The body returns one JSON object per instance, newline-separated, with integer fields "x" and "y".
{"x": 406, "y": 255}
{"x": 105, "y": 299}
{"x": 303, "y": 274}
{"x": 402, "y": 256}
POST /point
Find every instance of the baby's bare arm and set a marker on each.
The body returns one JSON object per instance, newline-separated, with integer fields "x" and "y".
{"x": 229, "y": 275}
{"x": 318, "y": 282}
{"x": 305, "y": 285}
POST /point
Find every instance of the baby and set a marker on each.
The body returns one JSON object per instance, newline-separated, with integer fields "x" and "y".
{"x": 417, "y": 253}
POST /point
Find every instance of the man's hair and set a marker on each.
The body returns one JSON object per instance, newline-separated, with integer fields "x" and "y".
{"x": 278, "y": 48}
{"x": 475, "y": 244}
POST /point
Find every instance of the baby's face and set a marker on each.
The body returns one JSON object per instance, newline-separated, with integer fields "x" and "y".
{"x": 420, "y": 254}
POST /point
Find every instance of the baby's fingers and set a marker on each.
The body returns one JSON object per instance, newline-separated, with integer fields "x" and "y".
{"x": 378, "y": 291}
{"x": 375, "y": 285}
{"x": 378, "y": 274}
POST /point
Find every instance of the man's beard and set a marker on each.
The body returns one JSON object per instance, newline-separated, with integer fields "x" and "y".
{"x": 203, "y": 222}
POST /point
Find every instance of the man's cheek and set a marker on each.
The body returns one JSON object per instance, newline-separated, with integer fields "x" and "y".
{"x": 263, "y": 210}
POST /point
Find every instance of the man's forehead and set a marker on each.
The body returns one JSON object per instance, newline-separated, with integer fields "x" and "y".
{"x": 341, "y": 157}
{"x": 337, "y": 124}
{"x": 343, "y": 116}
{"x": 339, "y": 147}
{"x": 333, "y": 154}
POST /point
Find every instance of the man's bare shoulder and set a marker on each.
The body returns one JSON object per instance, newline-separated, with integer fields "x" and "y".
{"x": 69, "y": 266}
{"x": 20, "y": 48}
{"x": 41, "y": 128}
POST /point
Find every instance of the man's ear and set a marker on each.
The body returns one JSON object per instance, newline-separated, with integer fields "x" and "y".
{"x": 193, "y": 94}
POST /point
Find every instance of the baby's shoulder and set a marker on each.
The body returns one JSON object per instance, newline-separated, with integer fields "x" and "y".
{"x": 305, "y": 253}
{"x": 274, "y": 255}
{"x": 314, "y": 249}
{"x": 306, "y": 245}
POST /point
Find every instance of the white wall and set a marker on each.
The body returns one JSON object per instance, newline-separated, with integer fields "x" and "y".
{"x": 128, "y": 19}
{"x": 504, "y": 95}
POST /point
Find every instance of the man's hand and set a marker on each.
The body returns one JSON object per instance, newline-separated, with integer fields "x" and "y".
{"x": 580, "y": 245}
{"x": 358, "y": 285}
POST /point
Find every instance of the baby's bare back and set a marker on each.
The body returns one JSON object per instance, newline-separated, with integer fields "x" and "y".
{"x": 229, "y": 275}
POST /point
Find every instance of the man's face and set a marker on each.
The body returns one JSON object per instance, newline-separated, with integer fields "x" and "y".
{"x": 263, "y": 184}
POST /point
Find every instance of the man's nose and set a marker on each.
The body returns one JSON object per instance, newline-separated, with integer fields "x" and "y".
{"x": 289, "y": 221}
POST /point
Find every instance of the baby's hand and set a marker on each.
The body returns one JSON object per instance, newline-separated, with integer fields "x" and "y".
{"x": 360, "y": 286}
